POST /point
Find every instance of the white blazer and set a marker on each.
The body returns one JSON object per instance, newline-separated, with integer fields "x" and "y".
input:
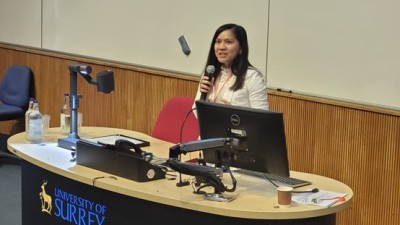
{"x": 253, "y": 94}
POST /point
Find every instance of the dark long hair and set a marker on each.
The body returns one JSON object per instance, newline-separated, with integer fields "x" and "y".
{"x": 241, "y": 63}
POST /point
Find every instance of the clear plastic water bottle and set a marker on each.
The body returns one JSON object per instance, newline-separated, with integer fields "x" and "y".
{"x": 65, "y": 116}
{"x": 29, "y": 110}
{"x": 35, "y": 134}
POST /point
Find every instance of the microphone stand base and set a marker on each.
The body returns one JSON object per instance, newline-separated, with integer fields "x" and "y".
{"x": 182, "y": 183}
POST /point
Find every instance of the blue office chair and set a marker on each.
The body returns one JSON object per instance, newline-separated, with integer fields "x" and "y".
{"x": 14, "y": 93}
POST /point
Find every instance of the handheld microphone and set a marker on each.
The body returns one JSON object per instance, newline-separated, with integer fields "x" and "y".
{"x": 209, "y": 73}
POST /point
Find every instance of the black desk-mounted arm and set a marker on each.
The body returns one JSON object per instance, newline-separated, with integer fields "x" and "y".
{"x": 207, "y": 174}
{"x": 183, "y": 148}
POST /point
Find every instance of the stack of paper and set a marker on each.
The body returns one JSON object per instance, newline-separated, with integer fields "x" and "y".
{"x": 321, "y": 198}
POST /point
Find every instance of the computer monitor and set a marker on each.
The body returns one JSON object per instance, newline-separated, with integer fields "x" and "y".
{"x": 261, "y": 135}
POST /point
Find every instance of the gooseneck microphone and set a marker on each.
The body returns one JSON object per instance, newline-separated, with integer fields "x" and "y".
{"x": 209, "y": 73}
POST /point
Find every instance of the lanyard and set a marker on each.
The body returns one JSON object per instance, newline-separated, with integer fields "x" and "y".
{"x": 217, "y": 84}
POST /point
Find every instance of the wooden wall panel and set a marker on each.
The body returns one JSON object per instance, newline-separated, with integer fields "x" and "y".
{"x": 135, "y": 103}
{"x": 358, "y": 145}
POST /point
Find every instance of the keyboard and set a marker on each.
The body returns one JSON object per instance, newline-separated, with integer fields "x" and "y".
{"x": 278, "y": 180}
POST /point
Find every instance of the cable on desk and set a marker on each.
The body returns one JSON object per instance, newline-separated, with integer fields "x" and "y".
{"x": 96, "y": 178}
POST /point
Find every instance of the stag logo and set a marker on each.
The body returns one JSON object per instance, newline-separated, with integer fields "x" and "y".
{"x": 45, "y": 199}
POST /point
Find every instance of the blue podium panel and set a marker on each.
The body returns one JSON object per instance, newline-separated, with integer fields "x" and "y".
{"x": 48, "y": 199}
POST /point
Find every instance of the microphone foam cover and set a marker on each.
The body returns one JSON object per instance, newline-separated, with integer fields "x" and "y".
{"x": 210, "y": 69}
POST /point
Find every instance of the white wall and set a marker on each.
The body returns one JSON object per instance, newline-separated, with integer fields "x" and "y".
{"x": 345, "y": 49}
{"x": 146, "y": 32}
{"x": 341, "y": 49}
{"x": 20, "y": 22}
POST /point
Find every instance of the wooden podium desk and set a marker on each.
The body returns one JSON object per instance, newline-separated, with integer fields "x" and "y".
{"x": 57, "y": 191}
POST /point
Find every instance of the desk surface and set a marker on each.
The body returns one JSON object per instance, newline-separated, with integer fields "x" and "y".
{"x": 256, "y": 198}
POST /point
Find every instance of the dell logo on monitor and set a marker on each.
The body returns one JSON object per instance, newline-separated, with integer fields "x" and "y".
{"x": 235, "y": 120}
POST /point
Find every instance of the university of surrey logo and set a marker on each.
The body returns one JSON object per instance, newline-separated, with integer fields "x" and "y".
{"x": 70, "y": 207}
{"x": 45, "y": 199}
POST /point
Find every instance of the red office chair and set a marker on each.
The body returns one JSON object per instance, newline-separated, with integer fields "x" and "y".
{"x": 170, "y": 120}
